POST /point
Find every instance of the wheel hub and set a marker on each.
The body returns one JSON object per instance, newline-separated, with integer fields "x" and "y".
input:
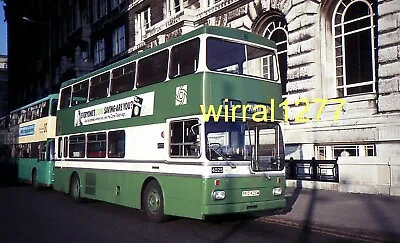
{"x": 154, "y": 201}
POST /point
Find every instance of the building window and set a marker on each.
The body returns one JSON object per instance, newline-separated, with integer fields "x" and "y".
{"x": 212, "y": 2}
{"x": 328, "y": 152}
{"x": 115, "y": 3}
{"x": 320, "y": 153}
{"x": 142, "y": 23}
{"x": 99, "y": 51}
{"x": 277, "y": 31}
{"x": 174, "y": 6}
{"x": 101, "y": 8}
{"x": 119, "y": 40}
{"x": 353, "y": 28}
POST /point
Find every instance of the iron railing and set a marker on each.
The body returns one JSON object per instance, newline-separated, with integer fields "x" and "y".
{"x": 312, "y": 170}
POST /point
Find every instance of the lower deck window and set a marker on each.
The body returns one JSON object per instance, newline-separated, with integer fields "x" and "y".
{"x": 96, "y": 145}
{"x": 185, "y": 138}
{"x": 77, "y": 146}
{"x": 116, "y": 144}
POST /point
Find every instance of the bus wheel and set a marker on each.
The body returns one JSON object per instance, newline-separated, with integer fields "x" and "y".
{"x": 153, "y": 202}
{"x": 75, "y": 189}
{"x": 35, "y": 183}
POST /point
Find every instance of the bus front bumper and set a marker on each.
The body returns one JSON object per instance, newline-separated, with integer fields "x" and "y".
{"x": 244, "y": 207}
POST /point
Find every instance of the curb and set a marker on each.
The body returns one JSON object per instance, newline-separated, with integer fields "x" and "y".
{"x": 334, "y": 231}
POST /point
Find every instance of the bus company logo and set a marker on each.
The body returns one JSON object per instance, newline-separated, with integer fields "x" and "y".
{"x": 115, "y": 110}
{"x": 27, "y": 130}
{"x": 181, "y": 95}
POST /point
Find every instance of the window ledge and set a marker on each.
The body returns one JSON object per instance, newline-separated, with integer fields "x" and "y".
{"x": 358, "y": 97}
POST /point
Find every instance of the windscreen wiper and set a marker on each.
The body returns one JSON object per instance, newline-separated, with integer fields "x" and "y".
{"x": 232, "y": 165}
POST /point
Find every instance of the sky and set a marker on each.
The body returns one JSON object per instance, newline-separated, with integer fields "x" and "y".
{"x": 3, "y": 31}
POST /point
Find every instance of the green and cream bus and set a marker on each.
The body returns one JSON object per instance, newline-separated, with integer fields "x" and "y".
{"x": 31, "y": 138}
{"x": 4, "y": 147}
{"x": 137, "y": 132}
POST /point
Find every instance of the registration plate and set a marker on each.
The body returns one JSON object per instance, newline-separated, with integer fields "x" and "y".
{"x": 253, "y": 193}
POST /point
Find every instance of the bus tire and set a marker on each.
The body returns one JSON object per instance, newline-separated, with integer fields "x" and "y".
{"x": 35, "y": 183}
{"x": 153, "y": 202}
{"x": 75, "y": 188}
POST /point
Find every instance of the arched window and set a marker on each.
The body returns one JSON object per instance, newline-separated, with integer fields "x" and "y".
{"x": 276, "y": 30}
{"x": 353, "y": 28}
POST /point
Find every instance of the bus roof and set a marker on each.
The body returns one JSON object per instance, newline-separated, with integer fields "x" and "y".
{"x": 50, "y": 96}
{"x": 214, "y": 30}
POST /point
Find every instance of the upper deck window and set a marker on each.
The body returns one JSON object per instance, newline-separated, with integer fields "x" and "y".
{"x": 99, "y": 86}
{"x": 65, "y": 97}
{"x": 53, "y": 107}
{"x": 238, "y": 58}
{"x": 184, "y": 58}
{"x": 80, "y": 93}
{"x": 152, "y": 69}
{"x": 123, "y": 78}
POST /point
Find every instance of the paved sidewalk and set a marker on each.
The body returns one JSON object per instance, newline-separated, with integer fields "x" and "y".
{"x": 359, "y": 214}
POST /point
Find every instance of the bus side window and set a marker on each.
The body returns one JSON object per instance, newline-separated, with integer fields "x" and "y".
{"x": 184, "y": 58}
{"x": 123, "y": 78}
{"x": 77, "y": 146}
{"x": 152, "y": 69}
{"x": 60, "y": 147}
{"x": 65, "y": 147}
{"x": 185, "y": 138}
{"x": 80, "y": 93}
{"x": 96, "y": 145}
{"x": 116, "y": 144}
{"x": 65, "y": 97}
{"x": 99, "y": 86}
{"x": 50, "y": 150}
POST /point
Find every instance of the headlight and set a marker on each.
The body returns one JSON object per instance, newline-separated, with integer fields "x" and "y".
{"x": 218, "y": 195}
{"x": 277, "y": 191}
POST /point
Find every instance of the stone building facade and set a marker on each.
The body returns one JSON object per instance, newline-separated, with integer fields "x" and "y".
{"x": 342, "y": 54}
{"x": 3, "y": 85}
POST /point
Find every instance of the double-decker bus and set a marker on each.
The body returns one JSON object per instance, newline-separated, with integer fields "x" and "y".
{"x": 4, "y": 148}
{"x": 134, "y": 133}
{"x": 31, "y": 137}
{"x": 4, "y": 130}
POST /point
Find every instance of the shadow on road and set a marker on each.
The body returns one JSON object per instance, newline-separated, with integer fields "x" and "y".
{"x": 8, "y": 175}
{"x": 306, "y": 229}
